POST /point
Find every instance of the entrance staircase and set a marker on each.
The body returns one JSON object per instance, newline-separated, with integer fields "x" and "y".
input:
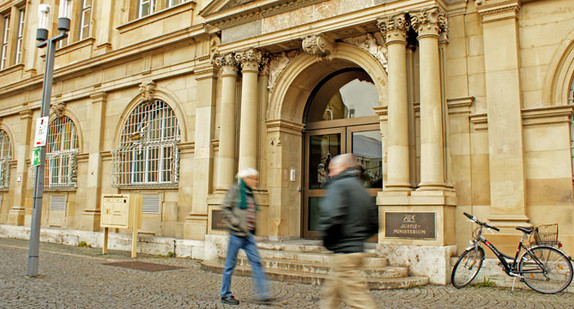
{"x": 307, "y": 261}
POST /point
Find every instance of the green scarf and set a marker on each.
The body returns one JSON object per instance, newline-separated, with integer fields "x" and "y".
{"x": 243, "y": 191}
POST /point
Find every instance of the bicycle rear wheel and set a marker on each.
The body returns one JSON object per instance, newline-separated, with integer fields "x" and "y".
{"x": 545, "y": 269}
{"x": 467, "y": 267}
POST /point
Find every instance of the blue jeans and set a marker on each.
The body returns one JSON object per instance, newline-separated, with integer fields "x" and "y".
{"x": 248, "y": 245}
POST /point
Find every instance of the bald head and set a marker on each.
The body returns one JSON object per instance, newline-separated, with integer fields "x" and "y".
{"x": 341, "y": 162}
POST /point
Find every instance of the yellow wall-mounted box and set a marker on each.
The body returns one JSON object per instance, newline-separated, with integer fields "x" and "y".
{"x": 120, "y": 210}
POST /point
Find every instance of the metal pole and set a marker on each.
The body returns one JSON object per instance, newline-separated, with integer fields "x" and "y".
{"x": 39, "y": 180}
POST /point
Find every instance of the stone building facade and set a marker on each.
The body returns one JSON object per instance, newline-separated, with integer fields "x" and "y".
{"x": 451, "y": 106}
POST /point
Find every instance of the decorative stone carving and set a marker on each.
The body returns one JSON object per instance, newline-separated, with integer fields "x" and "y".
{"x": 227, "y": 63}
{"x": 394, "y": 28}
{"x": 251, "y": 59}
{"x": 318, "y": 45}
{"x": 370, "y": 43}
{"x": 58, "y": 108}
{"x": 147, "y": 90}
{"x": 277, "y": 65}
{"x": 431, "y": 21}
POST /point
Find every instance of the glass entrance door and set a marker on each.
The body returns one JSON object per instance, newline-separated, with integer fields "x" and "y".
{"x": 364, "y": 141}
{"x": 322, "y": 145}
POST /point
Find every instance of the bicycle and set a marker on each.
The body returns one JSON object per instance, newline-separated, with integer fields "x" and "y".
{"x": 543, "y": 268}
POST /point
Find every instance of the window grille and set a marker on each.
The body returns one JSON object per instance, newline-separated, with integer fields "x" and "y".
{"x": 151, "y": 204}
{"x": 4, "y": 47}
{"x": 5, "y": 157}
{"x": 20, "y": 36}
{"x": 58, "y": 203}
{"x": 85, "y": 17}
{"x": 148, "y": 155}
{"x": 61, "y": 165}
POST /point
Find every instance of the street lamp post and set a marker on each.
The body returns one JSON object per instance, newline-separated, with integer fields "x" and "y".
{"x": 50, "y": 44}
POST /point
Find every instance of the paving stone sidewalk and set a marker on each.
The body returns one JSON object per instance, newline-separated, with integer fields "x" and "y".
{"x": 74, "y": 277}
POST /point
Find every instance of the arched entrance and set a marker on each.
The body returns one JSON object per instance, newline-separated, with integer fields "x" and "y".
{"x": 339, "y": 118}
{"x": 292, "y": 123}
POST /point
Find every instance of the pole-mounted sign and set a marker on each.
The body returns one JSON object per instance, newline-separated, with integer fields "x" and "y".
{"x": 41, "y": 132}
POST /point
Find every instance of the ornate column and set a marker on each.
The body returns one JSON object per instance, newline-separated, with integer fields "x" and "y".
{"x": 250, "y": 61}
{"x": 504, "y": 108}
{"x": 429, "y": 23}
{"x": 395, "y": 31}
{"x": 226, "y": 166}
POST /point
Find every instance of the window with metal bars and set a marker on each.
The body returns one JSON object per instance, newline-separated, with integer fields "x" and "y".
{"x": 5, "y": 157}
{"x": 148, "y": 155}
{"x": 62, "y": 148}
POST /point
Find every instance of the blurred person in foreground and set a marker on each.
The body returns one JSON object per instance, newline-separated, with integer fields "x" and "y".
{"x": 239, "y": 212}
{"x": 347, "y": 217}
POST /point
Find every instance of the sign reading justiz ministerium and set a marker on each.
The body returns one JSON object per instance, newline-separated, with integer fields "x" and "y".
{"x": 418, "y": 225}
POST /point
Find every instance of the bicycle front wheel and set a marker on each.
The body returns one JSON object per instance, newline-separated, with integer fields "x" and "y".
{"x": 545, "y": 269}
{"x": 467, "y": 267}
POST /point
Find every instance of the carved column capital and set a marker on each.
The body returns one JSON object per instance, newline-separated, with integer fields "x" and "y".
{"x": 497, "y": 10}
{"x": 394, "y": 28}
{"x": 317, "y": 45}
{"x": 58, "y": 108}
{"x": 227, "y": 63}
{"x": 251, "y": 59}
{"x": 431, "y": 21}
{"x": 147, "y": 90}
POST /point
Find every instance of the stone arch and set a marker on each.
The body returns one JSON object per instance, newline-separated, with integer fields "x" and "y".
{"x": 285, "y": 125}
{"x": 560, "y": 73}
{"x": 300, "y": 77}
{"x": 159, "y": 94}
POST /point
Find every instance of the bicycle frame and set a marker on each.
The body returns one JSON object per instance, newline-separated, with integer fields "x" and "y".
{"x": 509, "y": 267}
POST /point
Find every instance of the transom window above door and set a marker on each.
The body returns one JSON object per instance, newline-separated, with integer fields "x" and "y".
{"x": 343, "y": 95}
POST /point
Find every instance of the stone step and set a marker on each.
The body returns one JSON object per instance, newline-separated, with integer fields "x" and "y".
{"x": 306, "y": 246}
{"x": 317, "y": 278}
{"x": 380, "y": 269}
{"x": 371, "y": 260}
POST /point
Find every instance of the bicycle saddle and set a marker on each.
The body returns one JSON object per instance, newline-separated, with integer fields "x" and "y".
{"x": 526, "y": 230}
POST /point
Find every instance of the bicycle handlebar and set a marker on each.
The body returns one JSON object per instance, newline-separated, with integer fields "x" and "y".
{"x": 473, "y": 218}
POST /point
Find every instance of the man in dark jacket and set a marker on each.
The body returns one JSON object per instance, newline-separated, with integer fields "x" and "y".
{"x": 347, "y": 217}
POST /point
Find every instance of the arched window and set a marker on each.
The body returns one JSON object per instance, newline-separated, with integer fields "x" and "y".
{"x": 5, "y": 157}
{"x": 148, "y": 155}
{"x": 61, "y": 164}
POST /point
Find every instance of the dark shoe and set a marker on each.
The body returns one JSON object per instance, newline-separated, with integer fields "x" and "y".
{"x": 266, "y": 301}
{"x": 229, "y": 300}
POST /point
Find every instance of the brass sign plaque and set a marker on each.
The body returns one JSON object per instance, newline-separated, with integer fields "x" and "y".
{"x": 417, "y": 225}
{"x": 217, "y": 221}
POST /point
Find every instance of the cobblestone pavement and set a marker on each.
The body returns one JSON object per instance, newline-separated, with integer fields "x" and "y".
{"x": 74, "y": 277}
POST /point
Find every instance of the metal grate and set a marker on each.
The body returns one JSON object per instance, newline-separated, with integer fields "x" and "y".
{"x": 151, "y": 204}
{"x": 5, "y": 157}
{"x": 58, "y": 203}
{"x": 61, "y": 165}
{"x": 148, "y": 155}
